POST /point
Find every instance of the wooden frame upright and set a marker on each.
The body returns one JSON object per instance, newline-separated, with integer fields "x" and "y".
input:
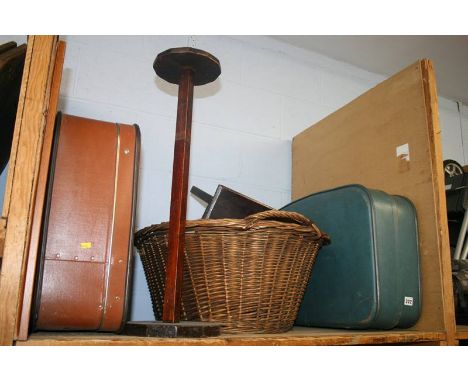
{"x": 20, "y": 193}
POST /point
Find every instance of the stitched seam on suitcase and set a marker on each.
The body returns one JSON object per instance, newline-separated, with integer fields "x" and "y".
{"x": 109, "y": 258}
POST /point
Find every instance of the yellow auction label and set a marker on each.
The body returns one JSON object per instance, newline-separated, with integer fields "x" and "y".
{"x": 86, "y": 245}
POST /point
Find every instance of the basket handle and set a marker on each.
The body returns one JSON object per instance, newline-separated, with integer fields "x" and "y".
{"x": 287, "y": 216}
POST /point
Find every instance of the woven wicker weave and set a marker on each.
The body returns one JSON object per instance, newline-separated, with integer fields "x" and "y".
{"x": 248, "y": 274}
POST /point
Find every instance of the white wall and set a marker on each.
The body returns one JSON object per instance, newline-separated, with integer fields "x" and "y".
{"x": 243, "y": 123}
{"x": 3, "y": 177}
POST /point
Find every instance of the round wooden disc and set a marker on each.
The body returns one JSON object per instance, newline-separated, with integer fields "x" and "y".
{"x": 170, "y": 63}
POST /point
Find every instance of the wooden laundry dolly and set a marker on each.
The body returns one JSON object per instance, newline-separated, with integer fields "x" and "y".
{"x": 187, "y": 67}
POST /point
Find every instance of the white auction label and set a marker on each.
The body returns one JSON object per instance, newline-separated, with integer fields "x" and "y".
{"x": 402, "y": 152}
{"x": 408, "y": 301}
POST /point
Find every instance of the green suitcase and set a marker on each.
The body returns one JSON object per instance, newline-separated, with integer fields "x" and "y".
{"x": 368, "y": 277}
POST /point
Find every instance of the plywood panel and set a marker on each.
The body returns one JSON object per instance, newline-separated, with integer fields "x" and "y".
{"x": 22, "y": 175}
{"x": 358, "y": 144}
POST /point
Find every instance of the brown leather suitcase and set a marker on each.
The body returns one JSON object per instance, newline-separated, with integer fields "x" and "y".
{"x": 86, "y": 256}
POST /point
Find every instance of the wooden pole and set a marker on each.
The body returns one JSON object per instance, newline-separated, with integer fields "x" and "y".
{"x": 186, "y": 67}
{"x": 180, "y": 173}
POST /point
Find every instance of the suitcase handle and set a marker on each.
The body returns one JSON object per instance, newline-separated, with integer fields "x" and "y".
{"x": 287, "y": 217}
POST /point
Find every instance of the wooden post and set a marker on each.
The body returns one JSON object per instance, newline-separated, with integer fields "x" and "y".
{"x": 186, "y": 67}
{"x": 22, "y": 176}
{"x": 440, "y": 206}
{"x": 27, "y": 288}
{"x": 180, "y": 172}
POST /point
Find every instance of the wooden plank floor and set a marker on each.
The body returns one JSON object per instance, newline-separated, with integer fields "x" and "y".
{"x": 299, "y": 336}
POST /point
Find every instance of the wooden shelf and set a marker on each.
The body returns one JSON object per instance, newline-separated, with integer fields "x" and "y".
{"x": 462, "y": 332}
{"x": 402, "y": 109}
{"x": 299, "y": 336}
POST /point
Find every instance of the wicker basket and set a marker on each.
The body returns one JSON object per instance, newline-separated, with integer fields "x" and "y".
{"x": 248, "y": 274}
